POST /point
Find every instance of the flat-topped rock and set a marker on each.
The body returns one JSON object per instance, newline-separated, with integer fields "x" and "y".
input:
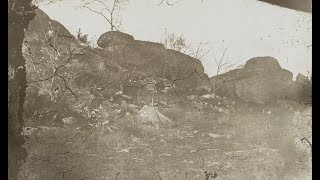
{"x": 114, "y": 38}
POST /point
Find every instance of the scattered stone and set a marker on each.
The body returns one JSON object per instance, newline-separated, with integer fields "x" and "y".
{"x": 68, "y": 120}
{"x": 192, "y": 97}
{"x": 219, "y": 136}
{"x": 208, "y": 96}
{"x": 126, "y": 96}
{"x": 215, "y": 135}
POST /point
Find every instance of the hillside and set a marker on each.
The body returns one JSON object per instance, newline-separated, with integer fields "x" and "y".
{"x": 133, "y": 109}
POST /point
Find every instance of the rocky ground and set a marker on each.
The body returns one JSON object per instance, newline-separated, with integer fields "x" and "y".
{"x": 206, "y": 138}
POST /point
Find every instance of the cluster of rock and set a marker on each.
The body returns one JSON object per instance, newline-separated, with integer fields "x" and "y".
{"x": 120, "y": 64}
{"x": 262, "y": 81}
{"x": 119, "y": 72}
{"x": 129, "y": 73}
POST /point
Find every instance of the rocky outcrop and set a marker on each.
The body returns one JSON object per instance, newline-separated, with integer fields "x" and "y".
{"x": 141, "y": 59}
{"x": 300, "y": 90}
{"x": 120, "y": 64}
{"x": 261, "y": 80}
{"x": 303, "y": 80}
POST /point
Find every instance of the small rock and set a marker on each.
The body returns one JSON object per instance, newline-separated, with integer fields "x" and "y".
{"x": 162, "y": 140}
{"x": 134, "y": 139}
{"x": 208, "y": 96}
{"x": 68, "y": 120}
{"x": 215, "y": 135}
{"x": 219, "y": 136}
{"x": 149, "y": 115}
{"x": 192, "y": 97}
{"x": 124, "y": 150}
{"x": 126, "y": 96}
{"x": 220, "y": 109}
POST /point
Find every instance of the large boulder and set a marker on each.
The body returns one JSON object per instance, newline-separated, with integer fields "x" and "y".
{"x": 262, "y": 64}
{"x": 261, "y": 81}
{"x": 142, "y": 59}
{"x": 114, "y": 38}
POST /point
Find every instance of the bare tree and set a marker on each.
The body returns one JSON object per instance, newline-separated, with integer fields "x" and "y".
{"x": 175, "y": 42}
{"x": 110, "y": 10}
{"x": 180, "y": 43}
{"x": 223, "y": 65}
{"x": 200, "y": 51}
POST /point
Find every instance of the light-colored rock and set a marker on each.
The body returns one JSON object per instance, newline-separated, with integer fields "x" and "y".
{"x": 218, "y": 136}
{"x": 68, "y": 120}
{"x": 208, "y": 96}
{"x": 150, "y": 116}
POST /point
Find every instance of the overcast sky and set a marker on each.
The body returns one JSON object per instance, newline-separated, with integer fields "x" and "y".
{"x": 248, "y": 28}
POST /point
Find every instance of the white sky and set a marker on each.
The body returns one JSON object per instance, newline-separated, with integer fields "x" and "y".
{"x": 248, "y": 28}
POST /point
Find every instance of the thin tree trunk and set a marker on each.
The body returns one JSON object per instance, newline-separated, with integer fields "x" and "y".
{"x": 20, "y": 13}
{"x": 111, "y": 20}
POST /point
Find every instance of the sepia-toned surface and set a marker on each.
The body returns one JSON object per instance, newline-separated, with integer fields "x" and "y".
{"x": 125, "y": 107}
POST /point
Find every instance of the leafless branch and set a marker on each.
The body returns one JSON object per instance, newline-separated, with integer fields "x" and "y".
{"x": 305, "y": 139}
{"x": 105, "y": 17}
{"x": 172, "y": 83}
{"x": 167, "y": 2}
{"x": 179, "y": 43}
{"x": 113, "y": 9}
{"x": 184, "y": 78}
{"x": 67, "y": 86}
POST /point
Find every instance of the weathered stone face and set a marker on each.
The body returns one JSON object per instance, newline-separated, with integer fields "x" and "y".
{"x": 258, "y": 90}
{"x": 153, "y": 60}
